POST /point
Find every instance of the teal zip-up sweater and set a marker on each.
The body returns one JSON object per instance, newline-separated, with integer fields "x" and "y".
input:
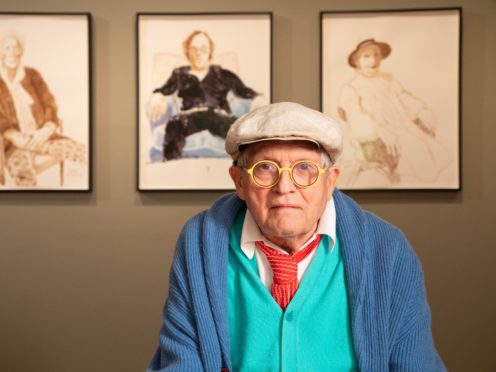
{"x": 390, "y": 317}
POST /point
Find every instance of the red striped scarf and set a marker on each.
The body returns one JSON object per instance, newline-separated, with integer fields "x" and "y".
{"x": 285, "y": 268}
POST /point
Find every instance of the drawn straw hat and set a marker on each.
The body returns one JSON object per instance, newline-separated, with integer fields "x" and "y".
{"x": 384, "y": 49}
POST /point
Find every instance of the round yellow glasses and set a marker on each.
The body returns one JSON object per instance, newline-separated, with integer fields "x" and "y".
{"x": 303, "y": 173}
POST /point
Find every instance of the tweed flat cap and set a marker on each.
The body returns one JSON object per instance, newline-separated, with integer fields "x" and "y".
{"x": 285, "y": 121}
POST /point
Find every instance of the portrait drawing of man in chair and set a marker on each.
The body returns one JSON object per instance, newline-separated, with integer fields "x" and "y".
{"x": 192, "y": 111}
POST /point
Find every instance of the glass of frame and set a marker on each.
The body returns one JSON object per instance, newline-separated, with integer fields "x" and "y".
{"x": 392, "y": 79}
{"x": 45, "y": 110}
{"x": 196, "y": 74}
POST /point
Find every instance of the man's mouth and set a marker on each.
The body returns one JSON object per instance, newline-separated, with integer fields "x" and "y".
{"x": 284, "y": 206}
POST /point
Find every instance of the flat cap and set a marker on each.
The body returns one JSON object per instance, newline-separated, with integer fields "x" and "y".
{"x": 285, "y": 121}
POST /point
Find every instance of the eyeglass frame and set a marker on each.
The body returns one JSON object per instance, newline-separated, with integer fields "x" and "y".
{"x": 289, "y": 169}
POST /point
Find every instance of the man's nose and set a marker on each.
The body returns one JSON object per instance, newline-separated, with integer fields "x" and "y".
{"x": 285, "y": 183}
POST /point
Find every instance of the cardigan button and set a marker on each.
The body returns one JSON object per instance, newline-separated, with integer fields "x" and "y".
{"x": 290, "y": 316}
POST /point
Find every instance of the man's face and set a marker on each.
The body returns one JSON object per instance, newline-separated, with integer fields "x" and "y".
{"x": 10, "y": 53}
{"x": 368, "y": 60}
{"x": 285, "y": 213}
{"x": 199, "y": 52}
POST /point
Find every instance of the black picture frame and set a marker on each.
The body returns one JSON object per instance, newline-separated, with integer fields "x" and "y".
{"x": 168, "y": 156}
{"x": 57, "y": 87}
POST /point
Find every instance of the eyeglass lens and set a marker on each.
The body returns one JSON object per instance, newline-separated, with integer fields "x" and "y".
{"x": 303, "y": 173}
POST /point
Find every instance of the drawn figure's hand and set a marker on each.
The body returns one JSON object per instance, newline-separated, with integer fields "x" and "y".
{"x": 41, "y": 135}
{"x": 390, "y": 141}
{"x": 426, "y": 122}
{"x": 156, "y": 107}
{"x": 18, "y": 139}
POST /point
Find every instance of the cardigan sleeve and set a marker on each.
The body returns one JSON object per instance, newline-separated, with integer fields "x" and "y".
{"x": 178, "y": 342}
{"x": 413, "y": 348}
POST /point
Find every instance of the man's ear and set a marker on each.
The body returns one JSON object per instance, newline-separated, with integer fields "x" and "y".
{"x": 237, "y": 176}
{"x": 332, "y": 179}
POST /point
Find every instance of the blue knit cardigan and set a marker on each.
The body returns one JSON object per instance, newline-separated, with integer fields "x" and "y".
{"x": 390, "y": 318}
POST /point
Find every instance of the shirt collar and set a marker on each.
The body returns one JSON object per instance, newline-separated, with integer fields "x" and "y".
{"x": 251, "y": 232}
{"x": 19, "y": 75}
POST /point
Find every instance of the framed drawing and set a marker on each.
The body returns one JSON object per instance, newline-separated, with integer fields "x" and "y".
{"x": 45, "y": 105}
{"x": 196, "y": 74}
{"x": 392, "y": 79}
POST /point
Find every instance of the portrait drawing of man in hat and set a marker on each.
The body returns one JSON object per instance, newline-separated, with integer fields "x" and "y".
{"x": 393, "y": 132}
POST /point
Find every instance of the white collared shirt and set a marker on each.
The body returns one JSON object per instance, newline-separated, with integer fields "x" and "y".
{"x": 251, "y": 233}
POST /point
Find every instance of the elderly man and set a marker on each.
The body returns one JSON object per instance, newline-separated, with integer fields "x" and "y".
{"x": 289, "y": 274}
{"x": 28, "y": 117}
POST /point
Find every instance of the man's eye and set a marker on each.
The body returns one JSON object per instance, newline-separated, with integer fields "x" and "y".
{"x": 304, "y": 166}
{"x": 266, "y": 167}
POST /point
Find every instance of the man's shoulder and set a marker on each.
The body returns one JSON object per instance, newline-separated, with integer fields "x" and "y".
{"x": 221, "y": 213}
{"x": 357, "y": 223}
{"x": 204, "y": 232}
{"x": 368, "y": 239}
{"x": 354, "y": 212}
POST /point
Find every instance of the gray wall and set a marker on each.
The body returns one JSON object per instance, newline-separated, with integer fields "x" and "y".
{"x": 83, "y": 276}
